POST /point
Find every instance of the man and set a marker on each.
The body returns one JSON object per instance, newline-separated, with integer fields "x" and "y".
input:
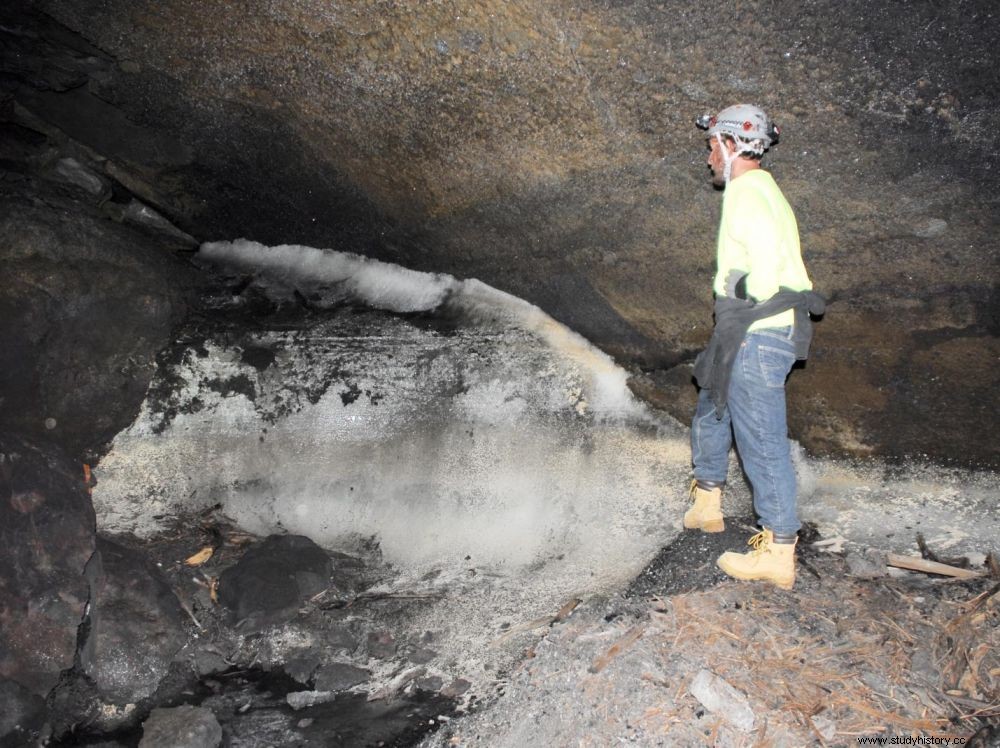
{"x": 763, "y": 298}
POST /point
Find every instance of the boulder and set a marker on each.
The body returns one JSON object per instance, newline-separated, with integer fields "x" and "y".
{"x": 85, "y": 306}
{"x": 48, "y": 535}
{"x": 136, "y": 625}
{"x": 269, "y": 583}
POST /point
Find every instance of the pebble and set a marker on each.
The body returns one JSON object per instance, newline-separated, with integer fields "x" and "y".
{"x": 381, "y": 644}
{"x": 456, "y": 688}
{"x": 825, "y": 726}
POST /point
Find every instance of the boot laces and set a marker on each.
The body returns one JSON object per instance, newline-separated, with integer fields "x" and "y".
{"x": 760, "y": 543}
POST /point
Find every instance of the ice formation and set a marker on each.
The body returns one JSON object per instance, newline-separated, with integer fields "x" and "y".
{"x": 507, "y": 438}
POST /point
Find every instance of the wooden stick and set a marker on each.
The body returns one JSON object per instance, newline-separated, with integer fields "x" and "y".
{"x": 618, "y": 647}
{"x": 566, "y": 610}
{"x": 562, "y": 614}
{"x": 914, "y": 563}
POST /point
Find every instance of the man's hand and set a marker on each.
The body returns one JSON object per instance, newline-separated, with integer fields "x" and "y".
{"x": 736, "y": 284}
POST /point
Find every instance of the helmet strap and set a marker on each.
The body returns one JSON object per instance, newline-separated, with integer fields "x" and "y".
{"x": 727, "y": 158}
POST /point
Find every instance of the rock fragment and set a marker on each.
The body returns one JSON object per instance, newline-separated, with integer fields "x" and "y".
{"x": 339, "y": 676}
{"x": 136, "y": 624}
{"x": 49, "y": 535}
{"x": 267, "y": 586}
{"x": 181, "y": 727}
{"x": 719, "y": 697}
{"x": 867, "y": 564}
{"x": 305, "y": 699}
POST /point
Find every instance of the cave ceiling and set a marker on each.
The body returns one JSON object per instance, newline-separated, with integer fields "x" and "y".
{"x": 549, "y": 149}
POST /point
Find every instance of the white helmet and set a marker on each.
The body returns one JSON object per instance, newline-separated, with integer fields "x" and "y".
{"x": 747, "y": 124}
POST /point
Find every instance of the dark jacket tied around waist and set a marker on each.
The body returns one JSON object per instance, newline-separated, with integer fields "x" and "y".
{"x": 733, "y": 317}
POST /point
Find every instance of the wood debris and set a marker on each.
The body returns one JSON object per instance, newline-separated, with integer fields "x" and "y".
{"x": 914, "y": 563}
{"x": 561, "y": 615}
{"x": 830, "y": 661}
{"x": 630, "y": 638}
{"x": 197, "y": 559}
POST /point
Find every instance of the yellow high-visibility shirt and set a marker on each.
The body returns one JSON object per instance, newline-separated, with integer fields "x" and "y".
{"x": 758, "y": 234}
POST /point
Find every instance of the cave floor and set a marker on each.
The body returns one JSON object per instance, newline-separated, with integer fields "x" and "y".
{"x": 837, "y": 657}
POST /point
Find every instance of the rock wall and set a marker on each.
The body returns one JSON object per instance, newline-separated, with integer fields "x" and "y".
{"x": 548, "y": 149}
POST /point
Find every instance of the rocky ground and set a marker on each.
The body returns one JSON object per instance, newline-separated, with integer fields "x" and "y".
{"x": 274, "y": 641}
{"x": 687, "y": 658}
{"x": 280, "y": 643}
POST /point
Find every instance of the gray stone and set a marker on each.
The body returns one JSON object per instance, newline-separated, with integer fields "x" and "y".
{"x": 305, "y": 699}
{"x": 430, "y": 683}
{"x": 49, "y": 535}
{"x": 142, "y": 215}
{"x": 302, "y": 666}
{"x": 456, "y": 688}
{"x": 339, "y": 676}
{"x": 867, "y": 564}
{"x": 76, "y": 173}
{"x": 272, "y": 579}
{"x": 381, "y": 644}
{"x": 136, "y": 624}
{"x": 181, "y": 727}
{"x": 206, "y": 662}
{"x": 85, "y": 305}
{"x": 340, "y": 636}
{"x": 718, "y": 697}
{"x": 421, "y": 655}
{"x": 826, "y": 727}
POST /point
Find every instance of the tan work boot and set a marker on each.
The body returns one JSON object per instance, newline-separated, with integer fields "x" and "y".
{"x": 706, "y": 513}
{"x": 767, "y": 562}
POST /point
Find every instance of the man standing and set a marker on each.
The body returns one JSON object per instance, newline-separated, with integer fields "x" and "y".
{"x": 763, "y": 299}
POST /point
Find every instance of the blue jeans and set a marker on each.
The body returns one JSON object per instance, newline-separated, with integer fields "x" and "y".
{"x": 755, "y": 414}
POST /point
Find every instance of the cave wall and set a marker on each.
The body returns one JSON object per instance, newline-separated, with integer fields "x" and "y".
{"x": 548, "y": 149}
